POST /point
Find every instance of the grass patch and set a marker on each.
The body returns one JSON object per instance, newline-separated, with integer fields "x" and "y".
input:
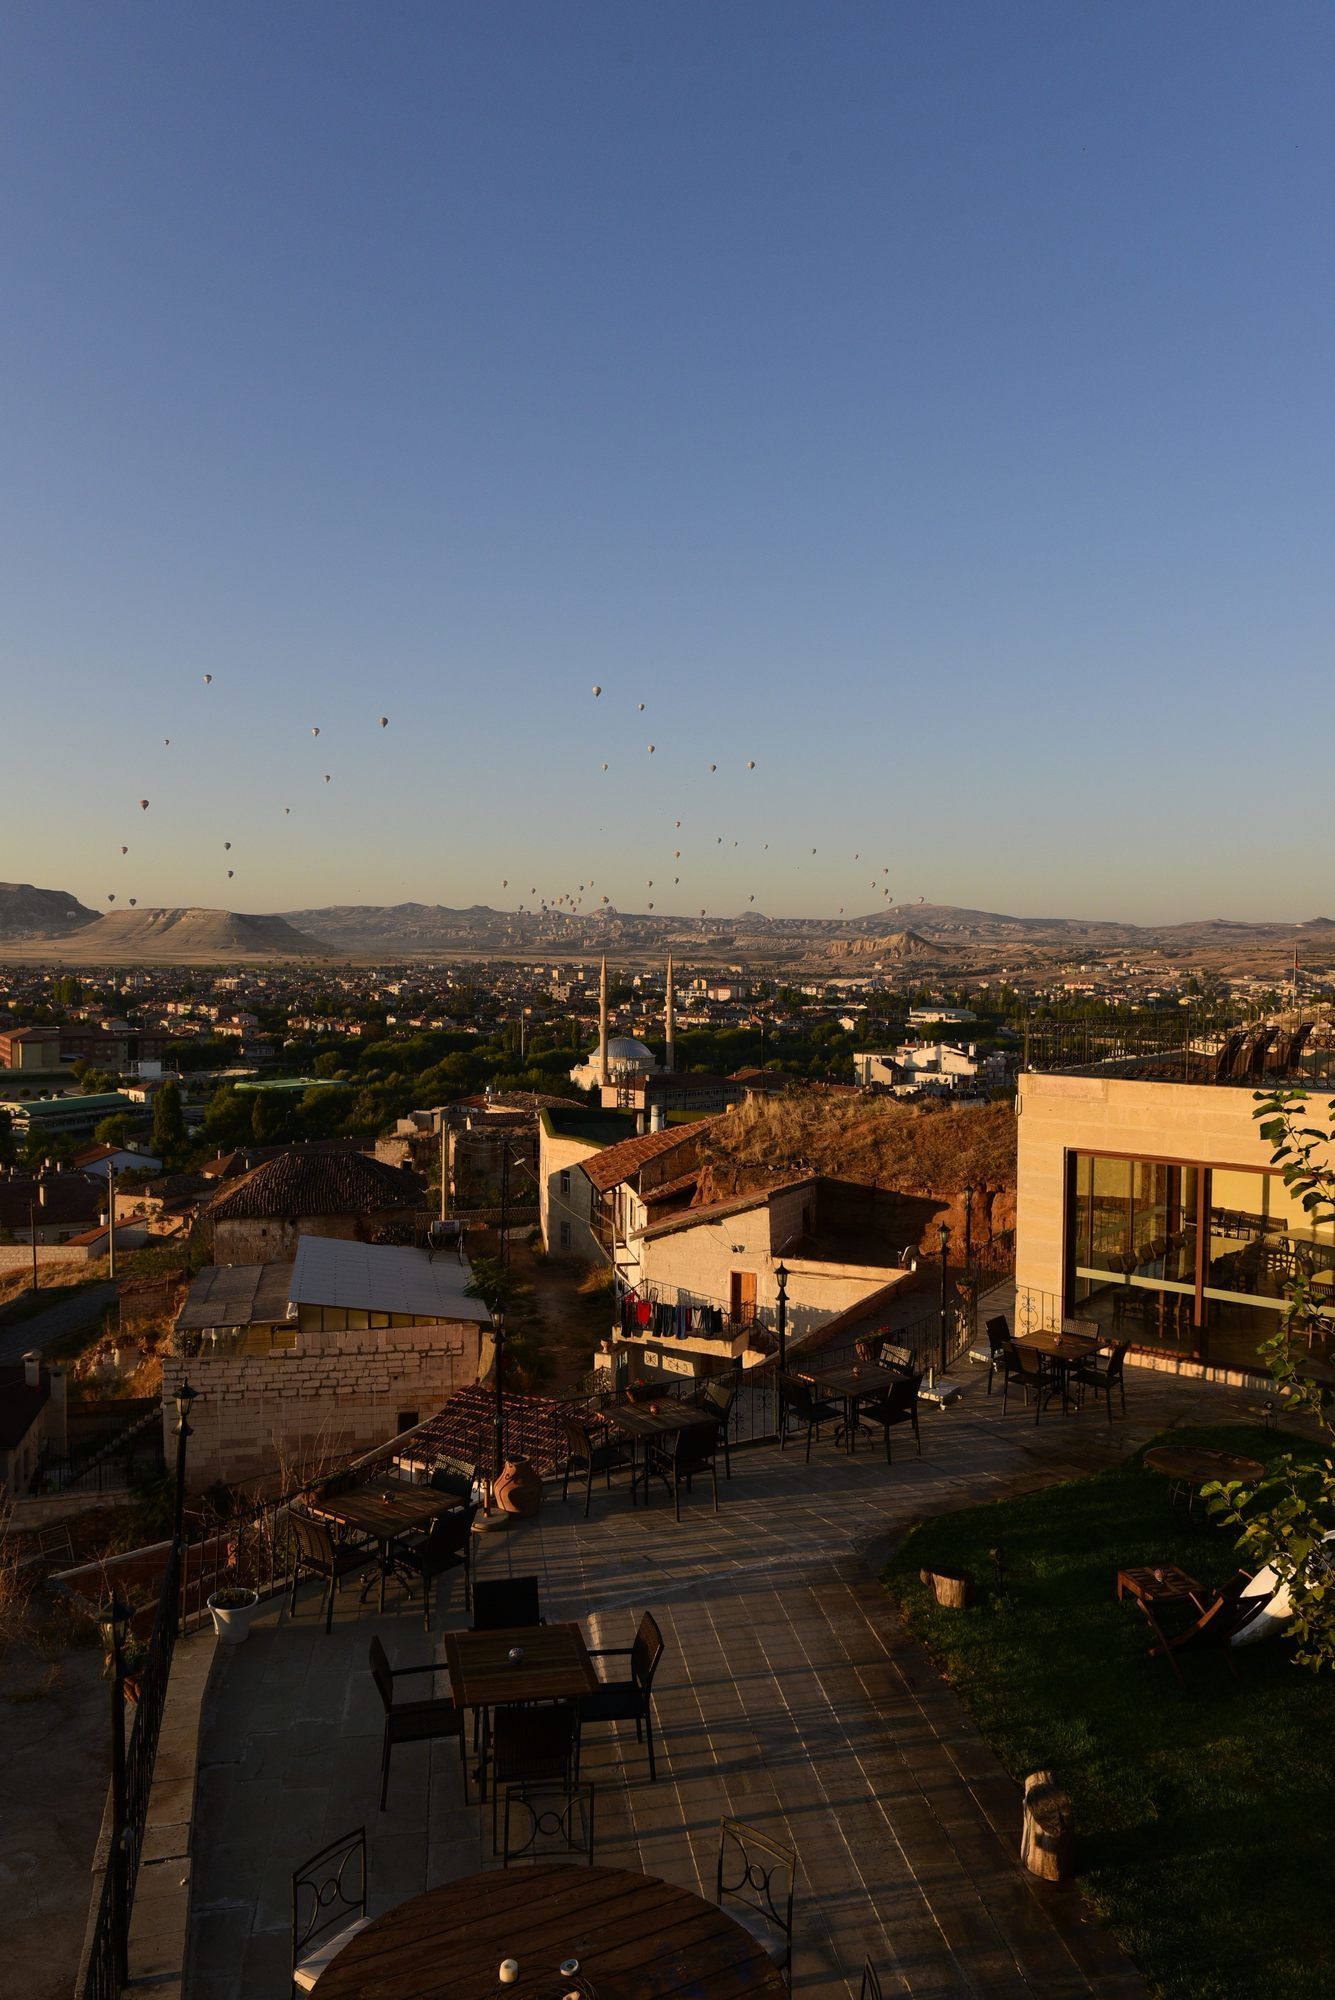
{"x": 1206, "y": 1820}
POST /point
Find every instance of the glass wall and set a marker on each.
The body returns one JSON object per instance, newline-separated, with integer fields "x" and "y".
{"x": 1191, "y": 1260}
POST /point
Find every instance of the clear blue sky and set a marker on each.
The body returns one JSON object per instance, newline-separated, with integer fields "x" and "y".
{"x": 929, "y": 402}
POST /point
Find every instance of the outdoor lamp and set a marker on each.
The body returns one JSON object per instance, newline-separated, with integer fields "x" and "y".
{"x": 185, "y": 1396}
{"x": 943, "y": 1235}
{"x": 114, "y": 1621}
{"x": 781, "y": 1275}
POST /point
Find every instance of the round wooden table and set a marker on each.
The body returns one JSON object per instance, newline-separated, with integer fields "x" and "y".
{"x": 1187, "y": 1467}
{"x": 636, "y": 1938}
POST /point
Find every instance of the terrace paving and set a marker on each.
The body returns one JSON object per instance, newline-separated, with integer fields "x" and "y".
{"x": 789, "y": 1695}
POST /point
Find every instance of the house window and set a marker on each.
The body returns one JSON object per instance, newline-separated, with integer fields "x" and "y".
{"x": 565, "y": 1235}
{"x": 565, "y": 1183}
{"x": 406, "y": 1420}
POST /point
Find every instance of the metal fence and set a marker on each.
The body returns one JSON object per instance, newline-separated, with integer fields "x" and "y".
{"x": 100, "y": 1974}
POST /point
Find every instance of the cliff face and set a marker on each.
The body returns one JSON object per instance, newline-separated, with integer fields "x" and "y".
{"x": 176, "y": 937}
{"x": 29, "y": 912}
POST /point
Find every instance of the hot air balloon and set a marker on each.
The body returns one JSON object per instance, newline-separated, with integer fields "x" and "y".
{"x": 315, "y": 732}
{"x": 650, "y": 883}
{"x": 326, "y": 777}
{"x": 207, "y": 679}
{"x": 227, "y": 845}
{"x": 505, "y": 883}
{"x": 287, "y": 809}
{"x": 676, "y": 822}
{"x": 651, "y": 749}
{"x": 676, "y": 854}
{"x": 596, "y": 690}
{"x": 604, "y": 767}
{"x": 111, "y": 896}
{"x": 125, "y": 850}
{"x": 750, "y": 763}
{"x": 676, "y": 878}
{"x": 133, "y": 901}
{"x": 651, "y": 906}
{"x": 230, "y": 873}
{"x": 713, "y": 767}
{"x": 641, "y": 708}
{"x": 384, "y": 722}
{"x": 167, "y": 742}
{"x": 143, "y": 805}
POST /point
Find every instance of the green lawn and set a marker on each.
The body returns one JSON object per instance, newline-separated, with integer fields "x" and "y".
{"x": 1206, "y": 1819}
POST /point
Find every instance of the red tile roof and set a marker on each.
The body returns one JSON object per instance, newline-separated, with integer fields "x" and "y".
{"x": 305, "y": 1182}
{"x": 617, "y": 1163}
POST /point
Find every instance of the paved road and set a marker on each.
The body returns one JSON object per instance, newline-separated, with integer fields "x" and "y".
{"x": 80, "y": 1309}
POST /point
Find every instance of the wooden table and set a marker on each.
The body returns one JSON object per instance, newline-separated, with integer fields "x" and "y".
{"x": 1189, "y": 1467}
{"x": 408, "y": 1510}
{"x": 642, "y": 1423}
{"x": 849, "y": 1385}
{"x": 1150, "y": 1588}
{"x": 555, "y": 1667}
{"x": 1066, "y": 1349}
{"x": 635, "y": 1937}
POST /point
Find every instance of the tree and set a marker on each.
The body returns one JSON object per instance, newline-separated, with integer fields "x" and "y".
{"x": 1286, "y": 1516}
{"x": 500, "y": 1289}
{"x": 168, "y": 1119}
{"x": 113, "y": 1131}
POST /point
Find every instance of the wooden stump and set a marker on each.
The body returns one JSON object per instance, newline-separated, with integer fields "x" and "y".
{"x": 1047, "y": 1832}
{"x": 953, "y": 1587}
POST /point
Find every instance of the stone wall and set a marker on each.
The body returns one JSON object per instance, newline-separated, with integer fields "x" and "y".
{"x": 313, "y": 1406}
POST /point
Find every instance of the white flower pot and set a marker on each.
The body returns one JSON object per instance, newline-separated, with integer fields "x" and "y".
{"x": 232, "y": 1622}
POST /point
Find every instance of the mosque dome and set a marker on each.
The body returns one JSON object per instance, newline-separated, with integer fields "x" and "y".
{"x": 624, "y": 1052}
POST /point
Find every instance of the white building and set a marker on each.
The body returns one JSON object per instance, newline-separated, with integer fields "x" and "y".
{"x": 915, "y": 1066}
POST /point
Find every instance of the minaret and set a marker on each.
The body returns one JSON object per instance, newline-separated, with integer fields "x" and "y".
{"x": 669, "y": 1059}
{"x": 603, "y": 1077}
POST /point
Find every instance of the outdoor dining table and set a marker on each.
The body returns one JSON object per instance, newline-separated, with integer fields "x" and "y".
{"x": 643, "y": 1423}
{"x": 1189, "y": 1467}
{"x": 554, "y": 1665}
{"x": 385, "y": 1511}
{"x": 1065, "y": 1349}
{"x": 634, "y": 1937}
{"x": 849, "y": 1386}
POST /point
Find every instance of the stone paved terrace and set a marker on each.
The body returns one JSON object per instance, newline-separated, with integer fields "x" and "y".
{"x": 789, "y": 1695}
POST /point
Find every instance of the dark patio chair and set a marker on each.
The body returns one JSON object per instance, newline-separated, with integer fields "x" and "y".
{"x": 410, "y": 1721}
{"x": 316, "y": 1553}
{"x": 895, "y": 1404}
{"x": 525, "y": 1742}
{"x": 998, "y": 1331}
{"x": 546, "y": 1819}
{"x": 800, "y": 1404}
{"x": 630, "y": 1700}
{"x": 716, "y": 1399}
{"x": 591, "y": 1455}
{"x": 758, "y": 1873}
{"x": 889, "y": 1354}
{"x": 448, "y": 1545}
{"x": 1035, "y": 1374}
{"x": 506, "y": 1600}
{"x": 679, "y": 1455}
{"x": 1083, "y": 1329}
{"x": 454, "y": 1475}
{"x": 328, "y": 1907}
{"x": 1103, "y": 1373}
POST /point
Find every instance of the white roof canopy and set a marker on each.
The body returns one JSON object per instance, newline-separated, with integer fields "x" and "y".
{"x": 382, "y": 1278}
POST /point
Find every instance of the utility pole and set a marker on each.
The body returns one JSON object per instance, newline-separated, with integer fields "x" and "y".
{"x": 505, "y": 1202}
{"x": 781, "y": 1327}
{"x": 111, "y": 1220}
{"x": 943, "y": 1237}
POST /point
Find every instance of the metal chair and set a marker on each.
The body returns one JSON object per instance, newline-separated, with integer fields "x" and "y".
{"x": 454, "y": 1475}
{"x": 585, "y": 1454}
{"x": 717, "y": 1398}
{"x": 506, "y": 1600}
{"x": 896, "y": 1404}
{"x": 758, "y": 1873}
{"x": 871, "y": 1982}
{"x": 998, "y": 1331}
{"x": 320, "y": 1555}
{"x": 559, "y": 1815}
{"x": 447, "y": 1546}
{"x": 1103, "y": 1379}
{"x": 1034, "y": 1372}
{"x": 799, "y": 1400}
{"x": 679, "y": 1456}
{"x": 630, "y": 1700}
{"x": 527, "y": 1743}
{"x": 410, "y": 1721}
{"x": 328, "y": 1907}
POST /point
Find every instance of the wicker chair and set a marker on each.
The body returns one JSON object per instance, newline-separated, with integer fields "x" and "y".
{"x": 447, "y": 1546}
{"x": 1103, "y": 1374}
{"x": 502, "y": 1601}
{"x": 678, "y": 1456}
{"x": 895, "y": 1404}
{"x": 800, "y": 1403}
{"x": 318, "y": 1554}
{"x": 586, "y": 1454}
{"x": 410, "y": 1721}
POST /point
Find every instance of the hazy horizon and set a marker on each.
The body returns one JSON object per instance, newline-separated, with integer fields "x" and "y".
{"x": 929, "y": 407}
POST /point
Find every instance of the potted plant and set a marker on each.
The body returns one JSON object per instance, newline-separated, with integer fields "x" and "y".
{"x": 233, "y": 1607}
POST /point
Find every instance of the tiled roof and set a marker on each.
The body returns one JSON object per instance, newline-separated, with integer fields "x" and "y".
{"x": 617, "y": 1163}
{"x": 714, "y": 1211}
{"x": 309, "y": 1182}
{"x": 70, "y": 1198}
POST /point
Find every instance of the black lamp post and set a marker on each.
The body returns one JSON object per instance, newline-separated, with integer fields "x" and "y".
{"x": 185, "y": 1396}
{"x": 968, "y": 1227}
{"x": 498, "y": 1421}
{"x": 943, "y": 1238}
{"x": 115, "y": 1623}
{"x": 781, "y": 1326}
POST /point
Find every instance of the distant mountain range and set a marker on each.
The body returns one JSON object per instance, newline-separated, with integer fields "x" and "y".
{"x": 50, "y": 925}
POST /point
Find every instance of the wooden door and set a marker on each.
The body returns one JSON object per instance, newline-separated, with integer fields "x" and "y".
{"x": 743, "y": 1297}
